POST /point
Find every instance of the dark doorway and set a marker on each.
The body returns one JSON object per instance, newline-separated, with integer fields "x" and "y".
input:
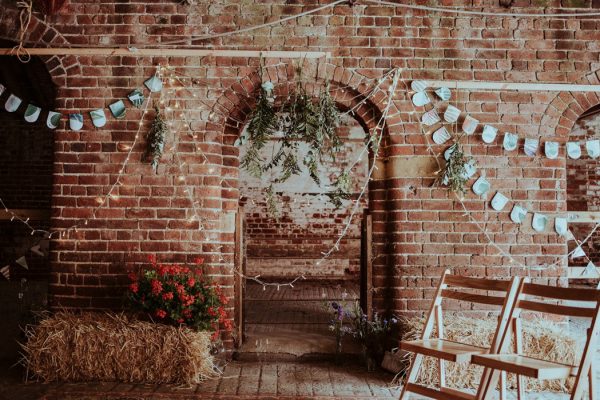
{"x": 26, "y": 165}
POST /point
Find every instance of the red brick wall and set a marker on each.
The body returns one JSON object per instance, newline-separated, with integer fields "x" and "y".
{"x": 419, "y": 230}
{"x": 291, "y": 242}
{"x": 583, "y": 192}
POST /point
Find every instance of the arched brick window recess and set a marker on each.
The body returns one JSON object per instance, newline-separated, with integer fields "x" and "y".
{"x": 26, "y": 177}
{"x": 567, "y": 117}
{"x": 26, "y": 159}
{"x": 288, "y": 258}
{"x": 583, "y": 191}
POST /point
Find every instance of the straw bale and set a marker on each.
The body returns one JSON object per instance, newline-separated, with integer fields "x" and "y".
{"x": 541, "y": 340}
{"x": 115, "y": 347}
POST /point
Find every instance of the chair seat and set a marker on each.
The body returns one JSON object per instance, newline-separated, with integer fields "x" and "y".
{"x": 527, "y": 366}
{"x": 444, "y": 349}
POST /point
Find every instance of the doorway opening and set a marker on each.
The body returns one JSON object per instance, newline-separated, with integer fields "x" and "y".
{"x": 26, "y": 166}
{"x": 288, "y": 242}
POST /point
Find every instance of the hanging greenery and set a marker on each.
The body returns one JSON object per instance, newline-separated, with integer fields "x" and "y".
{"x": 454, "y": 173}
{"x": 301, "y": 119}
{"x": 272, "y": 201}
{"x": 155, "y": 141}
{"x": 341, "y": 189}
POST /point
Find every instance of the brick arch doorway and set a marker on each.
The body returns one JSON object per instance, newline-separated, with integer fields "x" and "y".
{"x": 282, "y": 243}
{"x": 350, "y": 91}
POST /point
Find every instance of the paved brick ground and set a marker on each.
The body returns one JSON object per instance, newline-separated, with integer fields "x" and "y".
{"x": 247, "y": 380}
{"x": 241, "y": 380}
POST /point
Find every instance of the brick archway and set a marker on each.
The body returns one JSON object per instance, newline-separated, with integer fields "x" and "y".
{"x": 566, "y": 107}
{"x": 42, "y": 35}
{"x": 349, "y": 89}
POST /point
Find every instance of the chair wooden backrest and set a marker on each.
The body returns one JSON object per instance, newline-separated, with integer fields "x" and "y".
{"x": 584, "y": 303}
{"x": 452, "y": 287}
{"x": 465, "y": 289}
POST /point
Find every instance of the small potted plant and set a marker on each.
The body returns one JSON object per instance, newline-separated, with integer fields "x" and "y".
{"x": 373, "y": 335}
{"x": 179, "y": 295}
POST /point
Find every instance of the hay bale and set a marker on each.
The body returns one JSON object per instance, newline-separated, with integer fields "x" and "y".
{"x": 114, "y": 347}
{"x": 541, "y": 340}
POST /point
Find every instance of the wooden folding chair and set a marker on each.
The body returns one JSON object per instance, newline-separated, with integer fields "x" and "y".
{"x": 454, "y": 351}
{"x": 522, "y": 365}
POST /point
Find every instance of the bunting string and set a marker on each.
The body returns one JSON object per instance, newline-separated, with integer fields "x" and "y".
{"x": 467, "y": 213}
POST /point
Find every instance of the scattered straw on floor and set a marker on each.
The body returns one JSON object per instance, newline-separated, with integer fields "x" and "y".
{"x": 113, "y": 347}
{"x": 541, "y": 340}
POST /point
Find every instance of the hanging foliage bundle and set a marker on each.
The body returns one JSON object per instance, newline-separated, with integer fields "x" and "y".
{"x": 454, "y": 174}
{"x": 155, "y": 141}
{"x": 300, "y": 120}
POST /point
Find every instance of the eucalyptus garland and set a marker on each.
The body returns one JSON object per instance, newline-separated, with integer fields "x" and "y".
{"x": 301, "y": 119}
{"x": 155, "y": 141}
{"x": 454, "y": 173}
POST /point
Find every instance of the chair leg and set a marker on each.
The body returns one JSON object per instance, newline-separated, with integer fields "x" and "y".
{"x": 592, "y": 381}
{"x": 517, "y": 331}
{"x": 503, "y": 385}
{"x": 412, "y": 375}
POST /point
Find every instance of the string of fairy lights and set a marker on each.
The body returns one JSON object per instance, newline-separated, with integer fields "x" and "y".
{"x": 178, "y": 113}
{"x": 172, "y": 76}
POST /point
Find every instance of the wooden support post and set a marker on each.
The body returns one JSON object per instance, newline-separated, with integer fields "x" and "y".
{"x": 366, "y": 264}
{"x": 32, "y": 214}
{"x": 238, "y": 279}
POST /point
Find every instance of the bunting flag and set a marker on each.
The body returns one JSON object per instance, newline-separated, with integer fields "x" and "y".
{"x": 590, "y": 270}
{"x": 5, "y": 271}
{"x": 577, "y": 253}
{"x": 22, "y": 262}
{"x": 37, "y": 250}
{"x": 118, "y": 108}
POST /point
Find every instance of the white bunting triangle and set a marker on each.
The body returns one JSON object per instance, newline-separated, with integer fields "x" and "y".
{"x": 22, "y": 262}
{"x": 577, "y": 253}
{"x": 590, "y": 270}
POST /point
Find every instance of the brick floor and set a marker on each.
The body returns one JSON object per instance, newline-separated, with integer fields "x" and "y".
{"x": 294, "y": 321}
{"x": 240, "y": 380}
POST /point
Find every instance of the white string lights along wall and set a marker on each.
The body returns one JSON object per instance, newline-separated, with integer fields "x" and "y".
{"x": 434, "y": 125}
{"x": 180, "y": 124}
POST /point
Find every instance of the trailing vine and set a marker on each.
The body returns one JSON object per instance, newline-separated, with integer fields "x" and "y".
{"x": 155, "y": 141}
{"x": 260, "y": 129}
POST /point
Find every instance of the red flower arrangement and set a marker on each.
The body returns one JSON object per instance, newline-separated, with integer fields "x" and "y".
{"x": 177, "y": 295}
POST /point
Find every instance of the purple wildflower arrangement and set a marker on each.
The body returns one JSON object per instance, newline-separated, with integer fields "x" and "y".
{"x": 373, "y": 335}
